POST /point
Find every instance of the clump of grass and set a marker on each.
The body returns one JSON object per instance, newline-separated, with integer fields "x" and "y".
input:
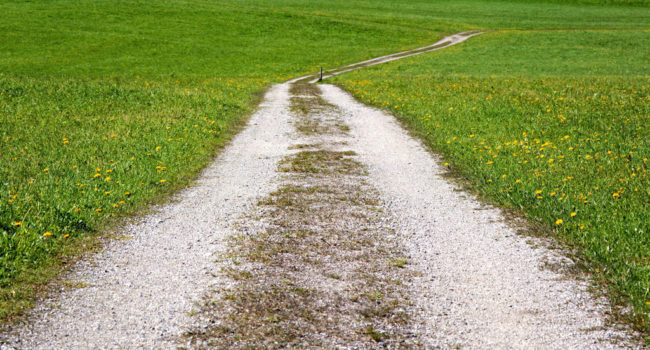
{"x": 322, "y": 162}
{"x": 374, "y": 334}
{"x": 399, "y": 262}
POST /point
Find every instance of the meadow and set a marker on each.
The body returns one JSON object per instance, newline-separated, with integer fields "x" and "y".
{"x": 552, "y": 124}
{"x": 107, "y": 107}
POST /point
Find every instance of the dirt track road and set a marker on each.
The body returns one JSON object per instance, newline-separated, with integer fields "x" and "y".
{"x": 323, "y": 224}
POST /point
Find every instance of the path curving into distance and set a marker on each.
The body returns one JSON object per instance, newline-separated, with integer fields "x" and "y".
{"x": 369, "y": 219}
{"x": 440, "y": 44}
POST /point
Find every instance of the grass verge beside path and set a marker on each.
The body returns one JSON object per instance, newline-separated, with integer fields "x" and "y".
{"x": 551, "y": 124}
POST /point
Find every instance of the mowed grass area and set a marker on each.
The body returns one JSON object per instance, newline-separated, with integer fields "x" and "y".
{"x": 552, "y": 123}
{"x": 108, "y": 106}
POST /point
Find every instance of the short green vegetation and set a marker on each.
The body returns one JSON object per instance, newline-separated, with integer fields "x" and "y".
{"x": 554, "y": 124}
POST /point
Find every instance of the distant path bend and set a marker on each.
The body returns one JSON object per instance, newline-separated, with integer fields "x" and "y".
{"x": 440, "y": 44}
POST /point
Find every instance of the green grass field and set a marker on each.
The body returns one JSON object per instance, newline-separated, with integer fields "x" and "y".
{"x": 108, "y": 106}
{"x": 553, "y": 124}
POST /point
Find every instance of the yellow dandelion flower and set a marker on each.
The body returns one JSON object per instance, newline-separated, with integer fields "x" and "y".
{"x": 66, "y": 235}
{"x": 574, "y": 214}
{"x": 162, "y": 181}
{"x": 47, "y": 234}
{"x": 99, "y": 210}
{"x": 46, "y": 170}
{"x": 489, "y": 163}
{"x": 107, "y": 179}
{"x": 559, "y": 221}
{"x": 538, "y": 191}
{"x": 18, "y": 223}
{"x": 97, "y": 175}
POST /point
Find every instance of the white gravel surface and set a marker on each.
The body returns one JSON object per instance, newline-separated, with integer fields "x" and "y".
{"x": 140, "y": 291}
{"x": 482, "y": 286}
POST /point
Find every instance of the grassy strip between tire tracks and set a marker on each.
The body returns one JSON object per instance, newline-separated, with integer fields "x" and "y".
{"x": 552, "y": 124}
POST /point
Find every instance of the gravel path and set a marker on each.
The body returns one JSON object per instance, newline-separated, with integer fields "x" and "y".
{"x": 475, "y": 282}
